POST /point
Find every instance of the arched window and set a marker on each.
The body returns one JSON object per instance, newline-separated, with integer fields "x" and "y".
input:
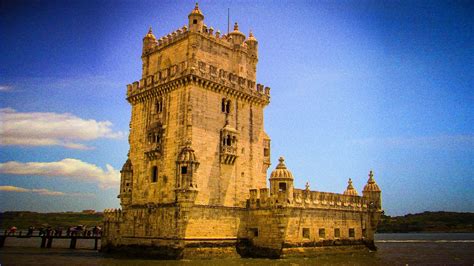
{"x": 228, "y": 140}
{"x": 225, "y": 106}
{"x": 159, "y": 105}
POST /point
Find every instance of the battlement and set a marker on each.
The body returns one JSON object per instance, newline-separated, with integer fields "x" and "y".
{"x": 208, "y": 73}
{"x": 225, "y": 40}
{"x": 302, "y": 198}
{"x": 112, "y": 215}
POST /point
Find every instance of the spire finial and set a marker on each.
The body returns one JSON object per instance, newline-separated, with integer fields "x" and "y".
{"x": 281, "y": 159}
{"x": 251, "y": 33}
{"x": 196, "y": 7}
{"x": 236, "y": 27}
{"x": 307, "y": 186}
{"x": 350, "y": 186}
{"x": 150, "y": 31}
{"x": 371, "y": 177}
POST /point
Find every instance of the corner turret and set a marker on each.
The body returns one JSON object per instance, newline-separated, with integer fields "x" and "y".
{"x": 149, "y": 41}
{"x": 252, "y": 45}
{"x": 350, "y": 189}
{"x": 372, "y": 192}
{"x": 238, "y": 37}
{"x": 126, "y": 175}
{"x": 196, "y": 19}
{"x": 281, "y": 183}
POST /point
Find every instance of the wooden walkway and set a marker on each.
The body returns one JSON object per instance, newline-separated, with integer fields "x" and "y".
{"x": 47, "y": 241}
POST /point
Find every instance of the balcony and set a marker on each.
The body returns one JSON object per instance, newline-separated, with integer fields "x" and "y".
{"x": 228, "y": 154}
{"x": 153, "y": 151}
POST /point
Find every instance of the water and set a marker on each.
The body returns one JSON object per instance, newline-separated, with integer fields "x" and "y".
{"x": 393, "y": 249}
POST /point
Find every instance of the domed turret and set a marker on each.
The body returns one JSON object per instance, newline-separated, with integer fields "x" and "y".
{"x": 187, "y": 155}
{"x": 252, "y": 45}
{"x": 149, "y": 41}
{"x": 350, "y": 189}
{"x": 373, "y": 193}
{"x": 127, "y": 166}
{"x": 186, "y": 165}
{"x": 196, "y": 19}
{"x": 237, "y": 36}
{"x": 281, "y": 172}
{"x": 371, "y": 185}
{"x": 281, "y": 182}
{"x": 126, "y": 178}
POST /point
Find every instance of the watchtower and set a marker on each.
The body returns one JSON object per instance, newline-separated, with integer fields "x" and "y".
{"x": 197, "y": 104}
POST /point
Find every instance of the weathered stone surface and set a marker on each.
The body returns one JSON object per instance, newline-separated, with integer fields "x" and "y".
{"x": 194, "y": 184}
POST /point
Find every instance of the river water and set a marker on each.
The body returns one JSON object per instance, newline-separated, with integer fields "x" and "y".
{"x": 393, "y": 249}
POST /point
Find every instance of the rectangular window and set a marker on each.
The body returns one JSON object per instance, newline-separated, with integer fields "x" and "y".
{"x": 322, "y": 233}
{"x": 306, "y": 233}
{"x": 282, "y": 187}
{"x": 364, "y": 232}
{"x": 184, "y": 170}
{"x": 266, "y": 152}
{"x": 337, "y": 232}
{"x": 154, "y": 174}
{"x": 351, "y": 232}
{"x": 253, "y": 232}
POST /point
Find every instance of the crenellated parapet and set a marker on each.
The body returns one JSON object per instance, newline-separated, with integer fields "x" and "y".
{"x": 112, "y": 215}
{"x": 204, "y": 74}
{"x": 261, "y": 198}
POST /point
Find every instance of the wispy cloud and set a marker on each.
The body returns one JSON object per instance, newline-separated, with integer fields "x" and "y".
{"x": 4, "y": 88}
{"x": 41, "y": 191}
{"x": 67, "y": 168}
{"x": 428, "y": 142}
{"x": 49, "y": 129}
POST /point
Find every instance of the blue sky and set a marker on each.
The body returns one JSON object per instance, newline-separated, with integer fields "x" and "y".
{"x": 356, "y": 85}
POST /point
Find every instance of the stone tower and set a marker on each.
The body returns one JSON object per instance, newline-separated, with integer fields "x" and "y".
{"x": 196, "y": 130}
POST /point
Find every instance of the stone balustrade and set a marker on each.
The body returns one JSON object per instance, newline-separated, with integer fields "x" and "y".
{"x": 306, "y": 199}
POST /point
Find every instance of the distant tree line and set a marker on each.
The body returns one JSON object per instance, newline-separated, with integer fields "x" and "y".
{"x": 428, "y": 222}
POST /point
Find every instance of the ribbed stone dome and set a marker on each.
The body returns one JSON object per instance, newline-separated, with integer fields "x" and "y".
{"x": 281, "y": 171}
{"x": 187, "y": 155}
{"x": 127, "y": 166}
{"x": 350, "y": 189}
{"x": 150, "y": 35}
{"x": 371, "y": 185}
{"x": 196, "y": 11}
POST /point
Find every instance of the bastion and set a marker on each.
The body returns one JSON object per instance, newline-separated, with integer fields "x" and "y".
{"x": 195, "y": 181}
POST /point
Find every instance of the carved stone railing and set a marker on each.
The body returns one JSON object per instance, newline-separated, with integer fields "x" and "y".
{"x": 308, "y": 199}
{"x": 153, "y": 151}
{"x": 228, "y": 154}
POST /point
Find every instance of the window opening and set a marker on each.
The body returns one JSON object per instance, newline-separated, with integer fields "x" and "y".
{"x": 351, "y": 232}
{"x": 322, "y": 233}
{"x": 282, "y": 187}
{"x": 306, "y": 233}
{"x": 154, "y": 174}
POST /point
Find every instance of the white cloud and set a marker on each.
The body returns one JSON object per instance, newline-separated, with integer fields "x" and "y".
{"x": 5, "y": 88}
{"x": 41, "y": 191}
{"x": 68, "y": 168}
{"x": 49, "y": 129}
